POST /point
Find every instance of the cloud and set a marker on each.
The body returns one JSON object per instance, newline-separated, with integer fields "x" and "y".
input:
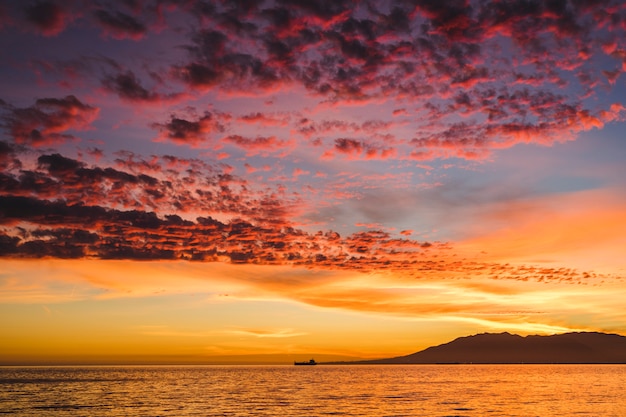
{"x": 119, "y": 25}
{"x": 128, "y": 87}
{"x": 468, "y": 99}
{"x": 175, "y": 185}
{"x": 78, "y": 231}
{"x": 528, "y": 307}
{"x": 48, "y": 17}
{"x": 465, "y": 80}
{"x": 216, "y": 63}
{"x": 437, "y": 54}
{"x": 193, "y": 133}
{"x": 266, "y": 333}
{"x": 358, "y": 149}
{"x": 265, "y": 119}
{"x": 191, "y": 212}
{"x": 9, "y": 157}
{"x": 48, "y": 120}
{"x": 307, "y": 122}
{"x": 67, "y": 209}
{"x": 260, "y": 144}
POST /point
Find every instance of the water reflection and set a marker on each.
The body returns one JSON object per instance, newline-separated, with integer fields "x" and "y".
{"x": 392, "y": 390}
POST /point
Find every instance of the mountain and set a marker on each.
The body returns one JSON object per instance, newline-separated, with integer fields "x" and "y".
{"x": 584, "y": 347}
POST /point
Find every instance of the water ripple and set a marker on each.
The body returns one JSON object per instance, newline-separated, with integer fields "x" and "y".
{"x": 240, "y": 391}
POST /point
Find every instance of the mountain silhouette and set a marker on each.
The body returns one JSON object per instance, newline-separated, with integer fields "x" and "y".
{"x": 583, "y": 347}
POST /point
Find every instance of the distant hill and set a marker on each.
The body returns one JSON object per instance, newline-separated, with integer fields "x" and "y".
{"x": 586, "y": 347}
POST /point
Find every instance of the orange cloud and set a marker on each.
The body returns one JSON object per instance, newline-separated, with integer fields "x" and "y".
{"x": 524, "y": 306}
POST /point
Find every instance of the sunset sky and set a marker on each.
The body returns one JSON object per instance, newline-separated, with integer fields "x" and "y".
{"x": 210, "y": 181}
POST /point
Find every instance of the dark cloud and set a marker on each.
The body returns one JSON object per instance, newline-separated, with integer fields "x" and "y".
{"x": 192, "y": 132}
{"x": 128, "y": 87}
{"x": 8, "y": 156}
{"x": 59, "y": 177}
{"x": 217, "y": 61}
{"x": 48, "y": 120}
{"x": 359, "y": 149}
{"x": 74, "y": 210}
{"x": 398, "y": 20}
{"x": 47, "y": 16}
{"x": 448, "y": 52}
{"x": 49, "y": 222}
{"x": 561, "y": 17}
{"x": 209, "y": 49}
{"x": 452, "y": 18}
{"x": 199, "y": 75}
{"x": 326, "y": 9}
{"x": 120, "y": 25}
{"x": 259, "y": 144}
{"x": 8, "y": 244}
{"x": 471, "y": 76}
{"x": 76, "y": 231}
{"x": 168, "y": 184}
{"x": 347, "y": 145}
{"x": 58, "y": 164}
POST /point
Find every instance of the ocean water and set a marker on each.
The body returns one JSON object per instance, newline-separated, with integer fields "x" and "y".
{"x": 323, "y": 390}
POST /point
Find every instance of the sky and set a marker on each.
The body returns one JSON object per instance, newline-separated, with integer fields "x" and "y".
{"x": 252, "y": 181}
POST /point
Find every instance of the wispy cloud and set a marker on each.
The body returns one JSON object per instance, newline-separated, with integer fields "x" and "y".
{"x": 265, "y": 333}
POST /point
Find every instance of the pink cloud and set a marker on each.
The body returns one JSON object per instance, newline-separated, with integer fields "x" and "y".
{"x": 298, "y": 172}
{"x": 260, "y": 144}
{"x": 265, "y": 119}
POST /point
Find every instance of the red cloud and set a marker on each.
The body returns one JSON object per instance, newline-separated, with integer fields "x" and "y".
{"x": 67, "y": 209}
{"x": 48, "y": 120}
{"x": 439, "y": 56}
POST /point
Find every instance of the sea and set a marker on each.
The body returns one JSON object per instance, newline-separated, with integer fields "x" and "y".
{"x": 322, "y": 390}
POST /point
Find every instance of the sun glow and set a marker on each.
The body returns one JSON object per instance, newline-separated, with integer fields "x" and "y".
{"x": 230, "y": 182}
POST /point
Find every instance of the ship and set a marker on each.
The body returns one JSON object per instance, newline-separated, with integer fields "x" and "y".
{"x": 310, "y": 362}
